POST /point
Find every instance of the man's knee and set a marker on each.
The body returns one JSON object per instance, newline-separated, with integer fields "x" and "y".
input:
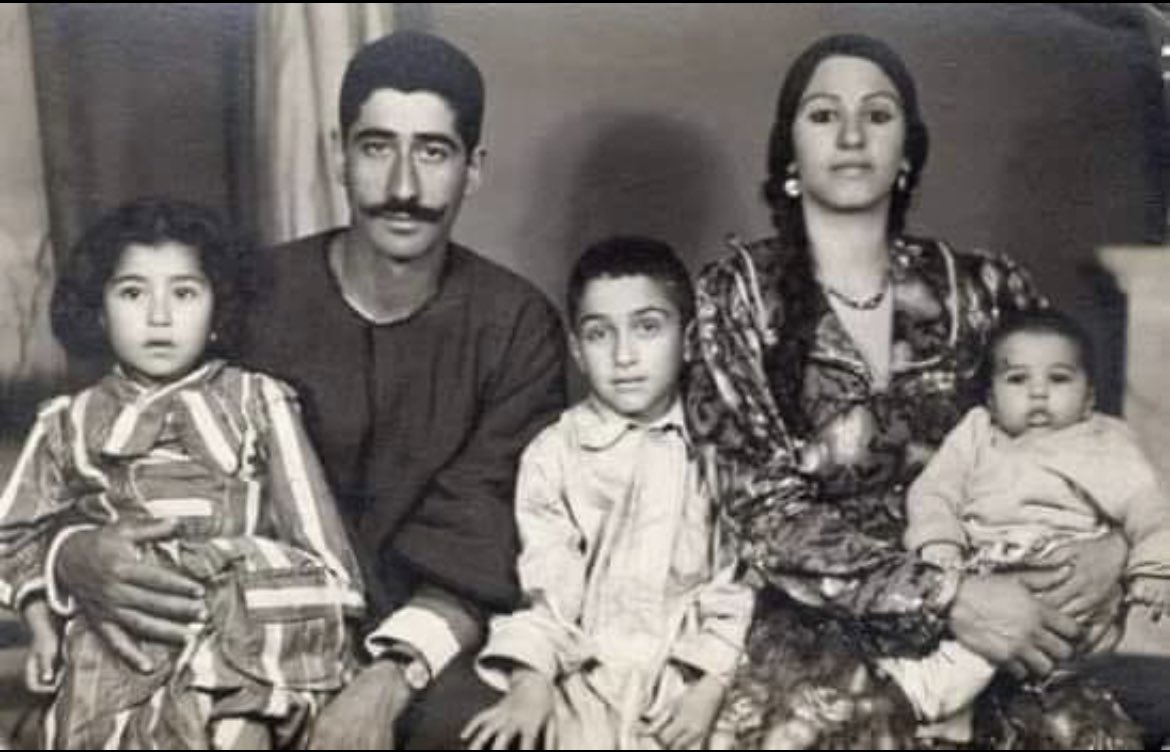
{"x": 435, "y": 719}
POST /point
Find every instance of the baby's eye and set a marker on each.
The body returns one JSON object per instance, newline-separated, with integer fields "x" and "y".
{"x": 1061, "y": 378}
{"x": 1016, "y": 379}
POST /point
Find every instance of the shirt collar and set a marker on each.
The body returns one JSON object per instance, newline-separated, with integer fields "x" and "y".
{"x": 599, "y": 427}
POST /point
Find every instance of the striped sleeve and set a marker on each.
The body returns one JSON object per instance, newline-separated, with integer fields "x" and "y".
{"x": 300, "y": 504}
{"x": 31, "y": 512}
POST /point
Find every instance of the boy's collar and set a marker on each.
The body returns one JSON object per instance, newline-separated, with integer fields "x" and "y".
{"x": 599, "y": 426}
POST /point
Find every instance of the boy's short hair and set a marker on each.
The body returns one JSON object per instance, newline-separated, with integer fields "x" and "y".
{"x": 414, "y": 61}
{"x": 77, "y": 304}
{"x": 632, "y": 256}
{"x": 1038, "y": 321}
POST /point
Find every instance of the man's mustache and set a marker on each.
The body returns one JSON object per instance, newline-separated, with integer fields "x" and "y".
{"x": 394, "y": 208}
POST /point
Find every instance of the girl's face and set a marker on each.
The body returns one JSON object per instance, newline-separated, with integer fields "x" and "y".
{"x": 157, "y": 311}
{"x": 849, "y": 135}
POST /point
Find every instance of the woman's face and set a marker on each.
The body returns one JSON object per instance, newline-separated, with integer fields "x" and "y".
{"x": 849, "y": 136}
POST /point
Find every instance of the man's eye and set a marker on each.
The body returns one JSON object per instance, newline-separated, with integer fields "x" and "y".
{"x": 435, "y": 153}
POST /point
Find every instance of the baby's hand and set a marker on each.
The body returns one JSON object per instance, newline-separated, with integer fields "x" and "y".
{"x": 686, "y": 723}
{"x": 1152, "y": 592}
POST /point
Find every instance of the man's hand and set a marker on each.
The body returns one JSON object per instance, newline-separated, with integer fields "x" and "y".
{"x": 522, "y": 714}
{"x": 998, "y": 618}
{"x": 364, "y": 714}
{"x": 124, "y": 598}
{"x": 42, "y": 664}
{"x": 686, "y": 723}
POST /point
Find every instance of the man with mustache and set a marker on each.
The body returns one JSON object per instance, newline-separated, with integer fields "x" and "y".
{"x": 424, "y": 370}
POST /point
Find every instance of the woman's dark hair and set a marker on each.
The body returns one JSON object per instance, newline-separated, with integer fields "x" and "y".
{"x": 798, "y": 288}
{"x": 76, "y": 307}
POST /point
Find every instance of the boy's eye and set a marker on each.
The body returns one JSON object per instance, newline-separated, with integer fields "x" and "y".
{"x": 648, "y": 326}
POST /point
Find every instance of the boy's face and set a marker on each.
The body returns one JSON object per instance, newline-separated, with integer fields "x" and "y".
{"x": 1039, "y": 384}
{"x": 157, "y": 311}
{"x": 628, "y": 341}
{"x": 406, "y": 172}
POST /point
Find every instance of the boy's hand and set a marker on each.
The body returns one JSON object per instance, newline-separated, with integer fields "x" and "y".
{"x": 686, "y": 723}
{"x": 523, "y": 713}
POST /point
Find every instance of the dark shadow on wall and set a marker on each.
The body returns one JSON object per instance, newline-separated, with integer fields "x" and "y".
{"x": 1082, "y": 171}
{"x": 631, "y": 173}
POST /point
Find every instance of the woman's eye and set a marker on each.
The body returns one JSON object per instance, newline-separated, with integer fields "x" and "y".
{"x": 822, "y": 115}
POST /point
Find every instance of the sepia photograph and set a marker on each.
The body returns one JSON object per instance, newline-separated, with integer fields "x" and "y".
{"x": 585, "y": 376}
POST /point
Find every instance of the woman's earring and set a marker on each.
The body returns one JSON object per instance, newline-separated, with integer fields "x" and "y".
{"x": 792, "y": 183}
{"x": 903, "y": 181}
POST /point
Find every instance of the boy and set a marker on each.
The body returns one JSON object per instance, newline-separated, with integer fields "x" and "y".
{"x": 633, "y": 621}
{"x": 1033, "y": 470}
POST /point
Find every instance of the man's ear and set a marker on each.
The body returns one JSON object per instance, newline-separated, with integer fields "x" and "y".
{"x": 337, "y": 151}
{"x": 475, "y": 162}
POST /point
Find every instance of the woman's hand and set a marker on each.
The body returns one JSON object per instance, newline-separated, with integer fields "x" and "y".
{"x": 1093, "y": 581}
{"x": 998, "y": 618}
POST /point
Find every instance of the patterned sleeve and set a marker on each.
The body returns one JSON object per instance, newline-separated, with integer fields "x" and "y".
{"x": 302, "y": 508}
{"x": 784, "y": 533}
{"x": 32, "y": 508}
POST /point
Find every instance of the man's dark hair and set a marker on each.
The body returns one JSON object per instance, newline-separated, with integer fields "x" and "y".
{"x": 632, "y": 256}
{"x": 412, "y": 61}
{"x": 77, "y": 303}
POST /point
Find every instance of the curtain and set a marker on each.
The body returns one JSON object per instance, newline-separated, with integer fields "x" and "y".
{"x": 301, "y": 53}
{"x": 30, "y": 360}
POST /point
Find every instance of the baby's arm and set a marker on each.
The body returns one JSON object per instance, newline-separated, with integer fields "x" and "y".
{"x": 42, "y": 664}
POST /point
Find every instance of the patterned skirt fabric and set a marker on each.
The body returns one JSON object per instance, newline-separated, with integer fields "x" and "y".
{"x": 806, "y": 683}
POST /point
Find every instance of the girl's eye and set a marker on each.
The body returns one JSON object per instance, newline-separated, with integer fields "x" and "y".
{"x": 187, "y": 292}
{"x": 880, "y": 117}
{"x": 129, "y": 292}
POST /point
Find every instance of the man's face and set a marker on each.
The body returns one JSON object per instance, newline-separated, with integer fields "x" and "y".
{"x": 406, "y": 172}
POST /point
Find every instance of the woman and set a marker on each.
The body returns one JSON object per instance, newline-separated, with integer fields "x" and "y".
{"x": 827, "y": 364}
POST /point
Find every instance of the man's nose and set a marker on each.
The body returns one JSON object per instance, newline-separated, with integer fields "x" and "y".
{"x": 403, "y": 179}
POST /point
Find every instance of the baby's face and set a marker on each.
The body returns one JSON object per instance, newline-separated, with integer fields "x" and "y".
{"x": 1039, "y": 384}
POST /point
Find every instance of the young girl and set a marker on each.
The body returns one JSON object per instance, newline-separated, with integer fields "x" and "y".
{"x": 174, "y": 432}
